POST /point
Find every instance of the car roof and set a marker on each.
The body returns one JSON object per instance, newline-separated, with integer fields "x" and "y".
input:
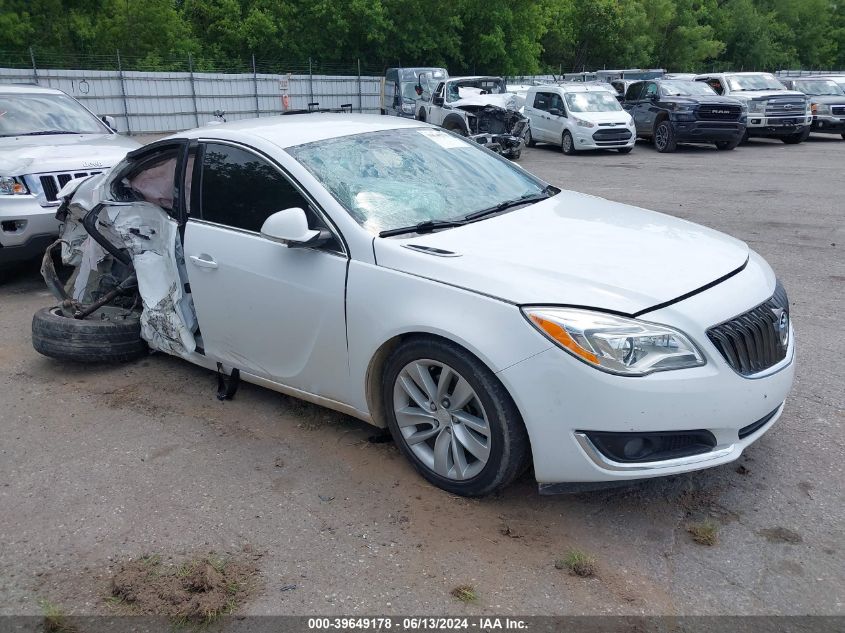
{"x": 27, "y": 89}
{"x": 298, "y": 129}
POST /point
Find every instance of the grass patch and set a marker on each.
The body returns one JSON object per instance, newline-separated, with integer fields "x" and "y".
{"x": 55, "y": 620}
{"x": 703, "y": 533}
{"x": 464, "y": 593}
{"x": 192, "y": 591}
{"x": 578, "y": 563}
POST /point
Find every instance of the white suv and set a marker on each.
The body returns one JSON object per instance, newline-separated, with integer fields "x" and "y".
{"x": 47, "y": 138}
{"x": 578, "y": 117}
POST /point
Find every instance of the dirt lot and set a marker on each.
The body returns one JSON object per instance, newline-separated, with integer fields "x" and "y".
{"x": 102, "y": 464}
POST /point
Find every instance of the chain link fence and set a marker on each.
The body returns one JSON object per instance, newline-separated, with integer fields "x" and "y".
{"x": 152, "y": 95}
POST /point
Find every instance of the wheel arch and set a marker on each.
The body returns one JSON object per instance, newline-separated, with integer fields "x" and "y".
{"x": 454, "y": 119}
{"x": 375, "y": 368}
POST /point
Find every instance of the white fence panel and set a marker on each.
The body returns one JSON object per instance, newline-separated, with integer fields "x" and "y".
{"x": 156, "y": 102}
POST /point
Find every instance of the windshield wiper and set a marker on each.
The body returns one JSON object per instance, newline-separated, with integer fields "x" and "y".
{"x": 46, "y": 132}
{"x": 548, "y": 192}
{"x": 422, "y": 227}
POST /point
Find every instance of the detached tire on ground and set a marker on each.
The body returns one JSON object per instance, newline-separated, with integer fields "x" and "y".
{"x": 110, "y": 335}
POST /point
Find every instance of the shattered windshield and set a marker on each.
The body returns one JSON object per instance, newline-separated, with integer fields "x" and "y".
{"x": 592, "y": 102}
{"x": 22, "y": 114}
{"x": 685, "y": 89}
{"x": 818, "y": 88}
{"x": 754, "y": 82}
{"x": 395, "y": 178}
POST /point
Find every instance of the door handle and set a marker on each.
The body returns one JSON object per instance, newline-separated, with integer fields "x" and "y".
{"x": 203, "y": 261}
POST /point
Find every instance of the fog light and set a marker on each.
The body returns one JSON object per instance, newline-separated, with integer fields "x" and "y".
{"x": 13, "y": 226}
{"x": 651, "y": 447}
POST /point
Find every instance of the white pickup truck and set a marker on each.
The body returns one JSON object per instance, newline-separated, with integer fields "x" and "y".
{"x": 480, "y": 108}
{"x": 773, "y": 110}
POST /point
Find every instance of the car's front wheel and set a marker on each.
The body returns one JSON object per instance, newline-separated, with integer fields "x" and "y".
{"x": 452, "y": 418}
{"x": 530, "y": 142}
{"x": 567, "y": 145}
{"x": 798, "y": 137}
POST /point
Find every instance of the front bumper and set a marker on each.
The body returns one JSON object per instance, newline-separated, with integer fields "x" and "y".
{"x": 760, "y": 125}
{"x": 583, "y": 139}
{"x": 708, "y": 131}
{"x": 26, "y": 228}
{"x": 828, "y": 124}
{"x": 560, "y": 397}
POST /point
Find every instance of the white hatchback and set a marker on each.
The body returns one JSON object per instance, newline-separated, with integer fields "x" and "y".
{"x": 578, "y": 117}
{"x": 411, "y": 278}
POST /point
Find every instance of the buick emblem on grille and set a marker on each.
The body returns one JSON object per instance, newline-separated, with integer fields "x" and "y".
{"x": 782, "y": 324}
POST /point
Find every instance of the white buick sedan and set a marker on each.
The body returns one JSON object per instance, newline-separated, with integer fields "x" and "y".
{"x": 410, "y": 278}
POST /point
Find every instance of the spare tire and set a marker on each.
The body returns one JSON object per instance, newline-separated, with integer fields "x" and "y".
{"x": 109, "y": 335}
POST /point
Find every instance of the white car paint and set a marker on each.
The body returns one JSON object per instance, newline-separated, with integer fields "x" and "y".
{"x": 547, "y": 127}
{"x": 28, "y": 158}
{"x": 316, "y": 324}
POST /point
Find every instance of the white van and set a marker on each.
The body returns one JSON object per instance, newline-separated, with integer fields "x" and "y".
{"x": 578, "y": 117}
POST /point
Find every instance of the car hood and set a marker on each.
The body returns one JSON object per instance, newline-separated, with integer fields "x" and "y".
{"x": 827, "y": 99}
{"x": 614, "y": 116}
{"x": 24, "y": 155}
{"x": 766, "y": 94}
{"x": 572, "y": 249}
{"x": 703, "y": 100}
{"x": 507, "y": 101}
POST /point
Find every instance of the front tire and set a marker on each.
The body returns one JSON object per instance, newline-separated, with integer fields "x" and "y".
{"x": 452, "y": 418}
{"x": 421, "y": 115}
{"x": 664, "y": 137}
{"x": 567, "y": 145}
{"x": 530, "y": 142}
{"x": 109, "y": 335}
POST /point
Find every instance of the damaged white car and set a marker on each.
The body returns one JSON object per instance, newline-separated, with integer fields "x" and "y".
{"x": 410, "y": 278}
{"x": 480, "y": 108}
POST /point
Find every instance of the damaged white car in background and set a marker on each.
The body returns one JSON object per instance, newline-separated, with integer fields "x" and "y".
{"x": 480, "y": 108}
{"x": 408, "y": 277}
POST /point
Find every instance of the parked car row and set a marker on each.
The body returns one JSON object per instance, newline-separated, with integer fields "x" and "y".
{"x": 579, "y": 113}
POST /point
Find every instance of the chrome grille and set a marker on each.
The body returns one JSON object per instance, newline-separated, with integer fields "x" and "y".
{"x": 750, "y": 342}
{"x": 52, "y": 183}
{"x": 784, "y": 107}
{"x": 838, "y": 110}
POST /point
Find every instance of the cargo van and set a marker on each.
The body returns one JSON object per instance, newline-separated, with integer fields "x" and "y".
{"x": 399, "y": 89}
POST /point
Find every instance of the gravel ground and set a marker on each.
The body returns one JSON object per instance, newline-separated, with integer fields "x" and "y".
{"x": 102, "y": 464}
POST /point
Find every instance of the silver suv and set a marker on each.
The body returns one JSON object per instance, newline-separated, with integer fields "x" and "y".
{"x": 47, "y": 138}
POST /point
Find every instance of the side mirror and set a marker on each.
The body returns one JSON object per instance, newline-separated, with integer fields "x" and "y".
{"x": 654, "y": 98}
{"x": 555, "y": 112}
{"x": 109, "y": 120}
{"x": 438, "y": 101}
{"x": 418, "y": 89}
{"x": 290, "y": 227}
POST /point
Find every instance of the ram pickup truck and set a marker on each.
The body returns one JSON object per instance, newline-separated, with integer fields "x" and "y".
{"x": 480, "y": 108}
{"x": 827, "y": 102}
{"x": 670, "y": 112}
{"x": 773, "y": 110}
{"x": 47, "y": 138}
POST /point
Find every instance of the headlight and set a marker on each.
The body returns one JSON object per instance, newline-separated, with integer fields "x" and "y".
{"x": 757, "y": 107}
{"x": 10, "y": 186}
{"x": 408, "y": 107}
{"x": 821, "y": 108}
{"x": 583, "y": 123}
{"x": 615, "y": 344}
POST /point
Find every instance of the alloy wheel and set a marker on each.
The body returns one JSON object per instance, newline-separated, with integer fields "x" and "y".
{"x": 661, "y": 137}
{"x": 441, "y": 419}
{"x": 567, "y": 143}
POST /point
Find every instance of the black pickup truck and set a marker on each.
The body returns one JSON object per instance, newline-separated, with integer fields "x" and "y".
{"x": 673, "y": 111}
